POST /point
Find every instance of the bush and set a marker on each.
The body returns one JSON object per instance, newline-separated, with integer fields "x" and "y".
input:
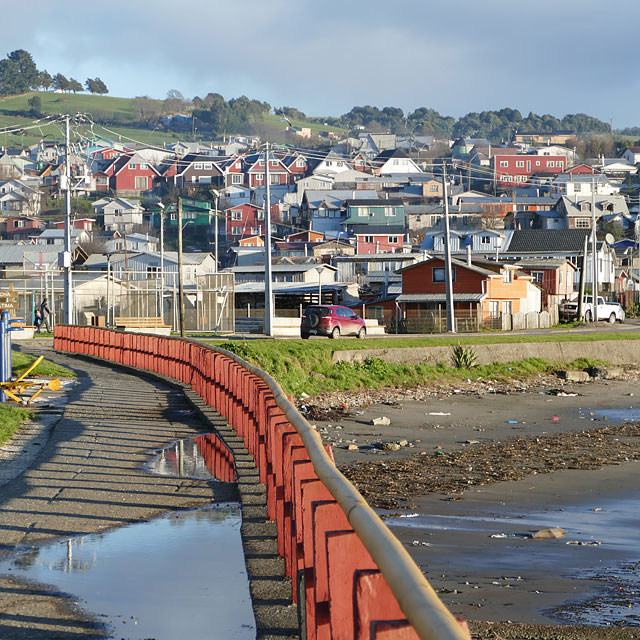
{"x": 464, "y": 357}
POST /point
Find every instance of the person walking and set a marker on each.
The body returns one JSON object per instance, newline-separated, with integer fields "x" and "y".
{"x": 37, "y": 320}
{"x": 45, "y": 313}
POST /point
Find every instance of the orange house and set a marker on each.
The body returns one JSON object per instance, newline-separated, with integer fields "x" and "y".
{"x": 483, "y": 289}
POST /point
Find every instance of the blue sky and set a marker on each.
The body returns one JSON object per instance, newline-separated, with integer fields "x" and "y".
{"x": 458, "y": 56}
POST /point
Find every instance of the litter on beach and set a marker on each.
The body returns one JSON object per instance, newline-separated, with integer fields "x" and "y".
{"x": 438, "y": 413}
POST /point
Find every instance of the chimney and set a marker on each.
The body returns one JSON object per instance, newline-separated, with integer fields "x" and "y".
{"x": 468, "y": 255}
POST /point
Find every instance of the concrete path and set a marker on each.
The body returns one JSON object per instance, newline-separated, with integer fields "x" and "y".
{"x": 89, "y": 477}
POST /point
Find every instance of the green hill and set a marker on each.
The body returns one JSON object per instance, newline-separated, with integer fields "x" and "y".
{"x": 119, "y": 119}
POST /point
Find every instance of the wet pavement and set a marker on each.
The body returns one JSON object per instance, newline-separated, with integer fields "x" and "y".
{"x": 89, "y": 477}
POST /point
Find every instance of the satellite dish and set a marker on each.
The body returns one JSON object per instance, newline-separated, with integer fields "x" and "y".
{"x": 609, "y": 239}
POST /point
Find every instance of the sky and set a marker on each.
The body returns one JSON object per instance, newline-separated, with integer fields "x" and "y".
{"x": 458, "y": 56}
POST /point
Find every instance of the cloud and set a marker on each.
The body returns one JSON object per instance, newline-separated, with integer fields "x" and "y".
{"x": 324, "y": 58}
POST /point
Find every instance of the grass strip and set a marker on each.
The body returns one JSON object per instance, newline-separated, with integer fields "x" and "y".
{"x": 306, "y": 366}
{"x": 20, "y": 362}
{"x": 10, "y": 420}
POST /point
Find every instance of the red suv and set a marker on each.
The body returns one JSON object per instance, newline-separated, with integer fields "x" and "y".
{"x": 333, "y": 321}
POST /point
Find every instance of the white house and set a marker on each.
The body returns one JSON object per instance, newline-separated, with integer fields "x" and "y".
{"x": 119, "y": 214}
{"x": 632, "y": 155}
{"x": 395, "y": 161}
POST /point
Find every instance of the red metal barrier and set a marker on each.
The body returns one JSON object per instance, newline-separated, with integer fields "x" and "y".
{"x": 344, "y": 593}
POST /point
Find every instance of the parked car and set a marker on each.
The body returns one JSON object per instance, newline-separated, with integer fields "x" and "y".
{"x": 610, "y": 311}
{"x": 333, "y": 321}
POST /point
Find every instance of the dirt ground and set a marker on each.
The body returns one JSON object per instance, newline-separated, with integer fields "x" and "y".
{"x": 464, "y": 475}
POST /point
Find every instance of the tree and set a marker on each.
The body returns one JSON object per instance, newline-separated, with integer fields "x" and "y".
{"x": 45, "y": 80}
{"x": 91, "y": 86}
{"x": 101, "y": 87}
{"x": 11, "y": 80}
{"x": 60, "y": 83}
{"x": 174, "y": 94}
{"x": 35, "y": 103}
{"x": 26, "y": 66}
{"x": 74, "y": 85}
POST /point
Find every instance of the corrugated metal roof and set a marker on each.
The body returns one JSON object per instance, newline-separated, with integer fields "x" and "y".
{"x": 441, "y": 297}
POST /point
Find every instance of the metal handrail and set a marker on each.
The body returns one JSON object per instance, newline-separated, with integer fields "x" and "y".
{"x": 424, "y": 610}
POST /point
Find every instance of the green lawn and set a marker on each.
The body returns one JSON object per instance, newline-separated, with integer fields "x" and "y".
{"x": 20, "y": 362}
{"x": 11, "y": 418}
{"x": 306, "y": 365}
{"x": 315, "y": 127}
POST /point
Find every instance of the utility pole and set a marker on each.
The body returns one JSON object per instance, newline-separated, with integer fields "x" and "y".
{"x": 451, "y": 323}
{"x": 180, "y": 282}
{"x": 594, "y": 245}
{"x": 66, "y": 256}
{"x": 161, "y": 211}
{"x": 268, "y": 293}
{"x": 216, "y": 197}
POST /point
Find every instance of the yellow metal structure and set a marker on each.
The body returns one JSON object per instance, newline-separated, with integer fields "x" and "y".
{"x": 15, "y": 389}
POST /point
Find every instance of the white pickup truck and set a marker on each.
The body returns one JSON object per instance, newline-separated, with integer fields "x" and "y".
{"x": 609, "y": 311}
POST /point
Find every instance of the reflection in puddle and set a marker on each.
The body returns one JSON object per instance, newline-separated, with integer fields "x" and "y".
{"x": 178, "y": 576}
{"x": 203, "y": 457}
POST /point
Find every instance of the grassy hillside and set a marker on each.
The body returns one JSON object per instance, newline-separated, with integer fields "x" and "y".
{"x": 121, "y": 114}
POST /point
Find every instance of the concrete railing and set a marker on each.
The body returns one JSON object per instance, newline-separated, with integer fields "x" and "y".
{"x": 353, "y": 576}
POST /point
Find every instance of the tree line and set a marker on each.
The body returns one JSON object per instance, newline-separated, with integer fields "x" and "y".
{"x": 19, "y": 74}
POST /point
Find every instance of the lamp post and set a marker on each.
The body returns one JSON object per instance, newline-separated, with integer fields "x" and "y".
{"x": 451, "y": 323}
{"x": 319, "y": 270}
{"x": 180, "y": 278}
{"x": 161, "y": 206}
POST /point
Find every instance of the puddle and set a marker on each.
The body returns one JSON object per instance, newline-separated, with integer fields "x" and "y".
{"x": 181, "y": 575}
{"x": 203, "y": 457}
{"x": 612, "y": 522}
{"x": 632, "y": 414}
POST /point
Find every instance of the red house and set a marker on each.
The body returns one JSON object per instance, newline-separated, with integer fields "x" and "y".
{"x": 244, "y": 220}
{"x": 515, "y": 170}
{"x": 296, "y": 164}
{"x": 132, "y": 175}
{"x": 255, "y": 171}
{"x": 378, "y": 238}
{"x": 20, "y": 227}
{"x": 232, "y": 170}
{"x": 85, "y": 224}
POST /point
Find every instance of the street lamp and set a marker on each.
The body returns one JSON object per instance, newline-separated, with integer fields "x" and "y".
{"x": 319, "y": 269}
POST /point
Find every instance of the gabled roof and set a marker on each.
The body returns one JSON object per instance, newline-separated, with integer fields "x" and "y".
{"x": 543, "y": 263}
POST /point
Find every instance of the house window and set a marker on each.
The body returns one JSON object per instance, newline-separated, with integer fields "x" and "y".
{"x": 133, "y": 166}
{"x": 507, "y": 276}
{"x": 236, "y": 231}
{"x": 433, "y": 188}
{"x": 142, "y": 183}
{"x": 259, "y": 215}
{"x": 328, "y": 163}
{"x": 152, "y": 272}
{"x": 583, "y": 223}
{"x": 551, "y": 163}
{"x": 439, "y": 274}
{"x": 389, "y": 211}
{"x": 494, "y": 309}
{"x": 577, "y": 188}
{"x": 173, "y": 216}
{"x": 504, "y": 163}
{"x": 197, "y": 166}
{"x": 485, "y": 239}
{"x": 300, "y": 163}
{"x": 259, "y": 177}
{"x": 363, "y": 212}
{"x": 274, "y": 178}
{"x": 236, "y": 178}
{"x": 368, "y": 239}
{"x": 519, "y": 163}
{"x": 393, "y": 239}
{"x": 208, "y": 166}
{"x": 255, "y": 231}
{"x": 537, "y": 276}
{"x": 507, "y": 306}
{"x": 537, "y": 163}
{"x": 144, "y": 165}
{"x": 236, "y": 215}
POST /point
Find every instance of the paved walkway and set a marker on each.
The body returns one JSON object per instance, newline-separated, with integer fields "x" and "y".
{"x": 89, "y": 477}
